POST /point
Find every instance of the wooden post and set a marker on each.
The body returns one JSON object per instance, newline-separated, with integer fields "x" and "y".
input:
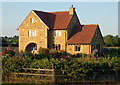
{"x": 117, "y": 77}
{"x": 53, "y": 73}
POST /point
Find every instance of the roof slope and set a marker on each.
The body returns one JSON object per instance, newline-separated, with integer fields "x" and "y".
{"x": 55, "y": 20}
{"x": 83, "y": 36}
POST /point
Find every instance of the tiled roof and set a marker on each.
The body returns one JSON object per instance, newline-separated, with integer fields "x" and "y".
{"x": 83, "y": 36}
{"x": 55, "y": 20}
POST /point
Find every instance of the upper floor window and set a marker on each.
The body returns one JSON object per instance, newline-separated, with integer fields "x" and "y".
{"x": 31, "y": 20}
{"x": 31, "y": 33}
{"x": 57, "y": 33}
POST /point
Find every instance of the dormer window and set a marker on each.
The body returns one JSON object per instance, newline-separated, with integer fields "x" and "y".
{"x": 31, "y": 20}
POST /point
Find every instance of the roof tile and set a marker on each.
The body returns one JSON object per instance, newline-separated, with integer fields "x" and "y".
{"x": 55, "y": 20}
{"x": 83, "y": 36}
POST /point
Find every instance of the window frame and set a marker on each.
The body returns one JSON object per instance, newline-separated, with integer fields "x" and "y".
{"x": 77, "y": 48}
{"x": 29, "y": 33}
{"x": 32, "y": 33}
{"x": 31, "y": 20}
{"x": 57, "y": 33}
{"x": 56, "y": 46}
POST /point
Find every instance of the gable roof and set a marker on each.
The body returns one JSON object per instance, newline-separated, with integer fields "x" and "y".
{"x": 84, "y": 36}
{"x": 55, "y": 20}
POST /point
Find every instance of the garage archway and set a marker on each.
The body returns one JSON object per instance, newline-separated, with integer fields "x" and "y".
{"x": 31, "y": 47}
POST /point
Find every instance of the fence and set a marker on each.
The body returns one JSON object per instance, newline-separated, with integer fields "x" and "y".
{"x": 32, "y": 76}
{"x": 53, "y": 77}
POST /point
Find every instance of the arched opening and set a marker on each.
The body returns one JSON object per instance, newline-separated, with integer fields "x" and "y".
{"x": 31, "y": 47}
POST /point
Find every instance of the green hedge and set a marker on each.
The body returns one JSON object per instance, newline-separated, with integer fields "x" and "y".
{"x": 76, "y": 68}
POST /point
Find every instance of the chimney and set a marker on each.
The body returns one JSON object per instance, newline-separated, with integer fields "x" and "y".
{"x": 71, "y": 10}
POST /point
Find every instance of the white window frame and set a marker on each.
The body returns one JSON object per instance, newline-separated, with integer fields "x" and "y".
{"x": 34, "y": 32}
{"x": 31, "y": 20}
{"x": 57, "y": 33}
{"x": 29, "y": 33}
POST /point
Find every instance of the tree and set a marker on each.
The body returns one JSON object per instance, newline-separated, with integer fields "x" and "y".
{"x": 111, "y": 40}
{"x": 108, "y": 40}
{"x": 10, "y": 40}
{"x": 116, "y": 40}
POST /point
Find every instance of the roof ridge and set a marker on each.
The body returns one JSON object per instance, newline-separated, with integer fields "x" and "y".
{"x": 58, "y": 11}
{"x": 90, "y": 24}
{"x": 51, "y": 12}
{"x": 41, "y": 11}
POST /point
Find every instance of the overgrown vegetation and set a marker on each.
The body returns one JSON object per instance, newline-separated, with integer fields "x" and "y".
{"x": 77, "y": 67}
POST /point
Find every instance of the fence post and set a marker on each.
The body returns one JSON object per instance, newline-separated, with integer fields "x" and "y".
{"x": 53, "y": 73}
{"x": 117, "y": 77}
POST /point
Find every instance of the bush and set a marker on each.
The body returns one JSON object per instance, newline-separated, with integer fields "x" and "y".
{"x": 43, "y": 51}
{"x": 75, "y": 68}
{"x": 9, "y": 52}
{"x": 79, "y": 55}
{"x": 84, "y": 55}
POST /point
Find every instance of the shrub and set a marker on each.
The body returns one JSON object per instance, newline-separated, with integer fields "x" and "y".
{"x": 79, "y": 55}
{"x": 84, "y": 55}
{"x": 56, "y": 54}
{"x": 43, "y": 51}
{"x": 9, "y": 52}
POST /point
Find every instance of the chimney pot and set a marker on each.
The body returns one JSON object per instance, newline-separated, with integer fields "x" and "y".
{"x": 71, "y": 10}
{"x": 71, "y": 6}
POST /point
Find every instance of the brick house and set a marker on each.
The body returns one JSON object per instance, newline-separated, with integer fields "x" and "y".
{"x": 60, "y": 31}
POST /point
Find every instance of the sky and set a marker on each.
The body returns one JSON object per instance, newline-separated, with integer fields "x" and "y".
{"x": 103, "y": 13}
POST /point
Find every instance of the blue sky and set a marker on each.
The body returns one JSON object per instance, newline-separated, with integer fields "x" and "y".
{"x": 103, "y": 13}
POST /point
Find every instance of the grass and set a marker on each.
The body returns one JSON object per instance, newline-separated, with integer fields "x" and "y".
{"x": 22, "y": 84}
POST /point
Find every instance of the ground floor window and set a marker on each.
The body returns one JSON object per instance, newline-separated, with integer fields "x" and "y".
{"x": 77, "y": 48}
{"x": 56, "y": 46}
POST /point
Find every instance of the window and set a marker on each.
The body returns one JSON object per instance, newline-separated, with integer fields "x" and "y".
{"x": 57, "y": 33}
{"x": 77, "y": 48}
{"x": 56, "y": 46}
{"x": 31, "y": 20}
{"x": 29, "y": 33}
{"x": 59, "y": 46}
{"x": 32, "y": 33}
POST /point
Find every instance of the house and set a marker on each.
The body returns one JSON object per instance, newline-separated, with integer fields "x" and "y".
{"x": 60, "y": 30}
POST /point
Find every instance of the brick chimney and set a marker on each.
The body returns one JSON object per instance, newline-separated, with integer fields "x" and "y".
{"x": 71, "y": 10}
